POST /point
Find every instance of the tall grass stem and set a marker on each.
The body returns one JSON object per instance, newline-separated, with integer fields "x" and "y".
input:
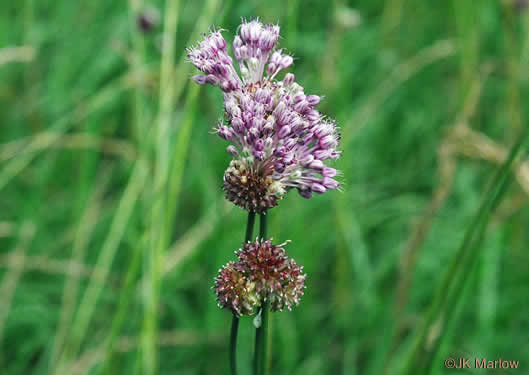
{"x": 420, "y": 354}
{"x": 159, "y": 230}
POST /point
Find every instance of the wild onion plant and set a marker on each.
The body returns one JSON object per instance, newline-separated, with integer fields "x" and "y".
{"x": 279, "y": 142}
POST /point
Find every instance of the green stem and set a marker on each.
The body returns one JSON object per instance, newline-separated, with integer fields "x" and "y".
{"x": 235, "y": 320}
{"x": 262, "y": 226}
{"x": 233, "y": 344}
{"x": 261, "y": 333}
{"x": 264, "y": 335}
{"x": 256, "y": 351}
{"x": 249, "y": 226}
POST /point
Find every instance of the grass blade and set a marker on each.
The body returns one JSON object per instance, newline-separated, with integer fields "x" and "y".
{"x": 423, "y": 350}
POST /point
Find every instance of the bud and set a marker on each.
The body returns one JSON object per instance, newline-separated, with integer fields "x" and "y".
{"x": 289, "y": 79}
{"x": 328, "y": 172}
{"x": 200, "y": 79}
{"x": 330, "y": 183}
{"x": 232, "y": 150}
{"x": 318, "y": 188}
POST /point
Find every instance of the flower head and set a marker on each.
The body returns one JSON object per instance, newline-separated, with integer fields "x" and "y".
{"x": 277, "y": 277}
{"x": 279, "y": 140}
{"x": 262, "y": 273}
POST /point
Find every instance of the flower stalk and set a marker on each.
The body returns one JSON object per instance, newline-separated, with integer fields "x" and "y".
{"x": 235, "y": 320}
{"x": 261, "y": 332}
{"x": 233, "y": 344}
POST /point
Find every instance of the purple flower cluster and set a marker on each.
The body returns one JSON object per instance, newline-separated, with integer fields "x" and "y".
{"x": 262, "y": 273}
{"x": 279, "y": 140}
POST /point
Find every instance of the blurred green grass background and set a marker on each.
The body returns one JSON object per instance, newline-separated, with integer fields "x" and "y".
{"x": 113, "y": 224}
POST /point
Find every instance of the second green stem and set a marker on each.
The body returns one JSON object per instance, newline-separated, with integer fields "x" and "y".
{"x": 235, "y": 320}
{"x": 261, "y": 333}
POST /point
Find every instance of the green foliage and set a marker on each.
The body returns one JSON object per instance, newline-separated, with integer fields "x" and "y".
{"x": 113, "y": 224}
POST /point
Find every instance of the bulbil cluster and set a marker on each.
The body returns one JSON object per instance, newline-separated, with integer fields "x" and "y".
{"x": 262, "y": 273}
{"x": 235, "y": 291}
{"x": 279, "y": 140}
